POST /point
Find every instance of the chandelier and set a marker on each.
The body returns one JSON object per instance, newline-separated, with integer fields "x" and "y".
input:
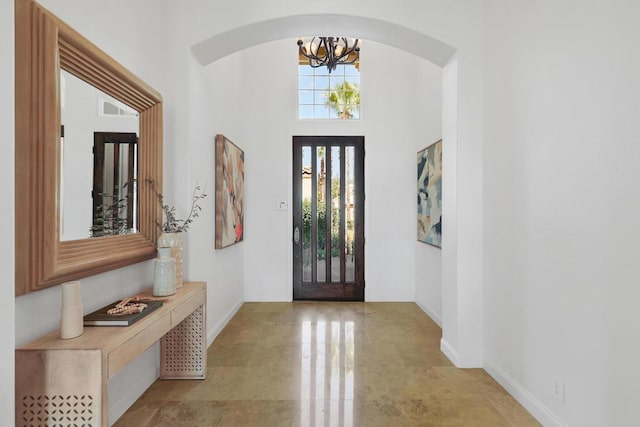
{"x": 330, "y": 51}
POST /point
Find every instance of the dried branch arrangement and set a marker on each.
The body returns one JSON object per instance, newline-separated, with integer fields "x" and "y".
{"x": 171, "y": 224}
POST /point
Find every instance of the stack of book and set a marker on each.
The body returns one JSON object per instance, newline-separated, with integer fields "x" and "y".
{"x": 102, "y": 318}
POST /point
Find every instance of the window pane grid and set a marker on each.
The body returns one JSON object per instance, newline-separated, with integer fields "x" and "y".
{"x": 333, "y": 96}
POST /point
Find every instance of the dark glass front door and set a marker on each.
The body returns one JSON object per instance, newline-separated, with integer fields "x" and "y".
{"x": 328, "y": 218}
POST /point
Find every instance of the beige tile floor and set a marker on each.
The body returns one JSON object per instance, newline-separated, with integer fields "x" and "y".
{"x": 329, "y": 364}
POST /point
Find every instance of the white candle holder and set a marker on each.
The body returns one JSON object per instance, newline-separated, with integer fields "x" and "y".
{"x": 71, "y": 324}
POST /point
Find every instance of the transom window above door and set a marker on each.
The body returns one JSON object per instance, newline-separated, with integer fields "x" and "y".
{"x": 328, "y": 94}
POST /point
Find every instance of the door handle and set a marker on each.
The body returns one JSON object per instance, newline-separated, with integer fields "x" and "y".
{"x": 296, "y": 235}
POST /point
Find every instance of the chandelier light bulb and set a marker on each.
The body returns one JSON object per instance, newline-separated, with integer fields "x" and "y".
{"x": 330, "y": 51}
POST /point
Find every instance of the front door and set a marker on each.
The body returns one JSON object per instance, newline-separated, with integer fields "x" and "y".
{"x": 328, "y": 218}
{"x": 114, "y": 172}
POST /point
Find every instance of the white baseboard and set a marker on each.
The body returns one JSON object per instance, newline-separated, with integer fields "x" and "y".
{"x": 432, "y": 314}
{"x": 218, "y": 327}
{"x": 117, "y": 408}
{"x": 524, "y": 397}
{"x": 449, "y": 351}
{"x": 458, "y": 360}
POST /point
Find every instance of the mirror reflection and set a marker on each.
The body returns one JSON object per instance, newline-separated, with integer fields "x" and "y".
{"x": 99, "y": 138}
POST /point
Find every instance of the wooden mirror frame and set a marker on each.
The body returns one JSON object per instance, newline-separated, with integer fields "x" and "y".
{"x": 43, "y": 45}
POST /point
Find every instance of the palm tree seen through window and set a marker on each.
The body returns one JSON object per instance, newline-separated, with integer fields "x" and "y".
{"x": 324, "y": 95}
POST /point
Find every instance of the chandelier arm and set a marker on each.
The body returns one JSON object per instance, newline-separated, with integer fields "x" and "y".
{"x": 314, "y": 62}
{"x": 330, "y": 59}
{"x": 346, "y": 54}
{"x": 329, "y": 53}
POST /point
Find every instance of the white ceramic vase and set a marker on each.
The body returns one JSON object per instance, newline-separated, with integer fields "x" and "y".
{"x": 173, "y": 241}
{"x": 164, "y": 274}
{"x": 71, "y": 322}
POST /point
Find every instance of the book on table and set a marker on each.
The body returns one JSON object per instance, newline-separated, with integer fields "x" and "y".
{"x": 102, "y": 318}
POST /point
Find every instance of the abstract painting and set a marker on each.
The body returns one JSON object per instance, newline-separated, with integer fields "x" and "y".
{"x": 229, "y": 193}
{"x": 430, "y": 194}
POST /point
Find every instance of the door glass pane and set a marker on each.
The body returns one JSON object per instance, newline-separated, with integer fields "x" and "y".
{"x": 322, "y": 228}
{"x": 349, "y": 214}
{"x": 306, "y": 214}
{"x": 335, "y": 214}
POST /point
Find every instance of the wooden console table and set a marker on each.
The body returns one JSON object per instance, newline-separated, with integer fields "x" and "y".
{"x": 64, "y": 382}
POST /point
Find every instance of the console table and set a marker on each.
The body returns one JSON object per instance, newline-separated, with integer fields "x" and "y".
{"x": 64, "y": 382}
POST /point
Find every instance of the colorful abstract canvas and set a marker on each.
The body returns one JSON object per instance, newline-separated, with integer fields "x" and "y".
{"x": 229, "y": 193}
{"x": 430, "y": 195}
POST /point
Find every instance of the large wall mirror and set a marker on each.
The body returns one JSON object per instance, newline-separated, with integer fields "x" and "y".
{"x": 88, "y": 140}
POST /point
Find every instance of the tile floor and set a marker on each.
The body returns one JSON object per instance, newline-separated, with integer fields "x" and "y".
{"x": 329, "y": 364}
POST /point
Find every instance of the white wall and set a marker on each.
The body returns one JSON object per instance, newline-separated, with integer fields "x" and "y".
{"x": 561, "y": 206}
{"x": 428, "y": 264}
{"x": 269, "y": 117}
{"x": 401, "y": 102}
{"x": 403, "y": 113}
{"x": 7, "y": 270}
{"x": 215, "y": 108}
{"x": 200, "y": 104}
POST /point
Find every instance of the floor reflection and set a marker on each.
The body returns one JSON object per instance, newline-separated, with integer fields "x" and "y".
{"x": 294, "y": 364}
{"x": 327, "y": 378}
